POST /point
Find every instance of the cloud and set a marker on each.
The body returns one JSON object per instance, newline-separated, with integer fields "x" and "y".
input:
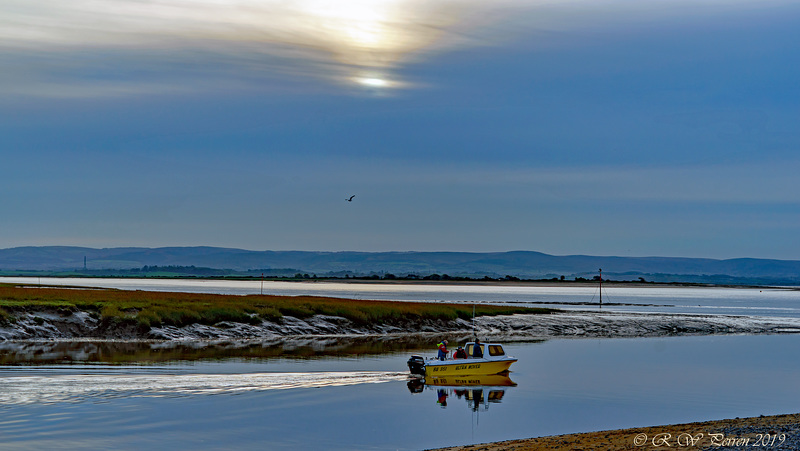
{"x": 49, "y": 42}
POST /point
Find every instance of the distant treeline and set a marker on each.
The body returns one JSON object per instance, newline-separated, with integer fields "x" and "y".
{"x": 436, "y": 277}
{"x": 180, "y": 271}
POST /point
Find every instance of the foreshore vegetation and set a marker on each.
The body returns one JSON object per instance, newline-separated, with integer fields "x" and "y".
{"x": 147, "y": 309}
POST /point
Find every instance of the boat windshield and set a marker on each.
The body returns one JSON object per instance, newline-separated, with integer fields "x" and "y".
{"x": 496, "y": 350}
{"x": 471, "y": 347}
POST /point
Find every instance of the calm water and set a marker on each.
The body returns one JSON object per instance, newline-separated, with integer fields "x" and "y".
{"x": 274, "y": 397}
{"x": 365, "y": 403}
{"x": 729, "y": 301}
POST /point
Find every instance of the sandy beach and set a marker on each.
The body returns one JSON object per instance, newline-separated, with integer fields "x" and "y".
{"x": 778, "y": 432}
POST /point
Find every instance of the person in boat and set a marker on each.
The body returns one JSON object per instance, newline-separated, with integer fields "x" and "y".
{"x": 477, "y": 351}
{"x": 442, "y": 350}
{"x": 460, "y": 353}
{"x": 442, "y": 397}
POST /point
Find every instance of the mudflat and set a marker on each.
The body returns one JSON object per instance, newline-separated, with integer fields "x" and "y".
{"x": 777, "y": 432}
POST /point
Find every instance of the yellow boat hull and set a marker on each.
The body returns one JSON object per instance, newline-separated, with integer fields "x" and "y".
{"x": 467, "y": 367}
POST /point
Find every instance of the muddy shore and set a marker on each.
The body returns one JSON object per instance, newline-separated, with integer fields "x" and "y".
{"x": 777, "y": 432}
{"x": 70, "y": 325}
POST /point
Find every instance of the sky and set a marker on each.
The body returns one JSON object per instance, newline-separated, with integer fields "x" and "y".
{"x": 596, "y": 127}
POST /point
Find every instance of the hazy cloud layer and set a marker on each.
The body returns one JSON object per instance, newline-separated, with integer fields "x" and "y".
{"x": 357, "y": 41}
{"x": 86, "y": 48}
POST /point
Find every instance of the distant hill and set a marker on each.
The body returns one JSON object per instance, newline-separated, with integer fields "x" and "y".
{"x": 523, "y": 264}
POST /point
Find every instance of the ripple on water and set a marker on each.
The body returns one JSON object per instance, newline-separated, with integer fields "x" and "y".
{"x": 72, "y": 388}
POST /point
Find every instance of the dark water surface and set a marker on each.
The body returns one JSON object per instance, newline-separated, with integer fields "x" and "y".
{"x": 330, "y": 402}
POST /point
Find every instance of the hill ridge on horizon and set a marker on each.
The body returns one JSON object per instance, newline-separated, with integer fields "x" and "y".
{"x": 518, "y": 263}
{"x": 515, "y": 251}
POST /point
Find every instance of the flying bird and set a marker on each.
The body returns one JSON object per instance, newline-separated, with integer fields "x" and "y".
{"x": 351, "y": 198}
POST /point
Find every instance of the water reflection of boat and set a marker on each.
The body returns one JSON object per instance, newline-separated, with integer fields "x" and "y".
{"x": 496, "y": 380}
{"x": 494, "y": 361}
{"x": 479, "y": 397}
{"x": 476, "y": 391}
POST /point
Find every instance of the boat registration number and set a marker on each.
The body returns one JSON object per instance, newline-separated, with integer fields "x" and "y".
{"x": 457, "y": 367}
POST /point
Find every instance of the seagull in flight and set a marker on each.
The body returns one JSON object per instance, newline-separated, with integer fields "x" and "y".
{"x": 351, "y": 198}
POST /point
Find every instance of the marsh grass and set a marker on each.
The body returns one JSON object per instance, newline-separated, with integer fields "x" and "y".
{"x": 154, "y": 309}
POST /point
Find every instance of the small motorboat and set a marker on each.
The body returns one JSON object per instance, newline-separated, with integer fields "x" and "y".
{"x": 494, "y": 361}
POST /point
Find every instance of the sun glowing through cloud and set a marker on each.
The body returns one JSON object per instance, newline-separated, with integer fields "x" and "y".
{"x": 362, "y": 23}
{"x": 377, "y": 82}
{"x": 375, "y": 33}
{"x": 134, "y": 47}
{"x": 373, "y": 82}
{"x": 334, "y": 40}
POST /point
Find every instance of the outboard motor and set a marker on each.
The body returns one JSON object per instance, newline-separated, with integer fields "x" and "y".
{"x": 416, "y": 364}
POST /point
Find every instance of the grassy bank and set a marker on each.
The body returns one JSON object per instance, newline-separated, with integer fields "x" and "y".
{"x": 153, "y": 309}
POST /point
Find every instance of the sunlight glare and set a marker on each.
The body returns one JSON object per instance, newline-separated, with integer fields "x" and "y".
{"x": 355, "y": 35}
{"x": 373, "y": 82}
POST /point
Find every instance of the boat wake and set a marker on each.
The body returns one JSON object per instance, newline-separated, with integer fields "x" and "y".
{"x": 74, "y": 388}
